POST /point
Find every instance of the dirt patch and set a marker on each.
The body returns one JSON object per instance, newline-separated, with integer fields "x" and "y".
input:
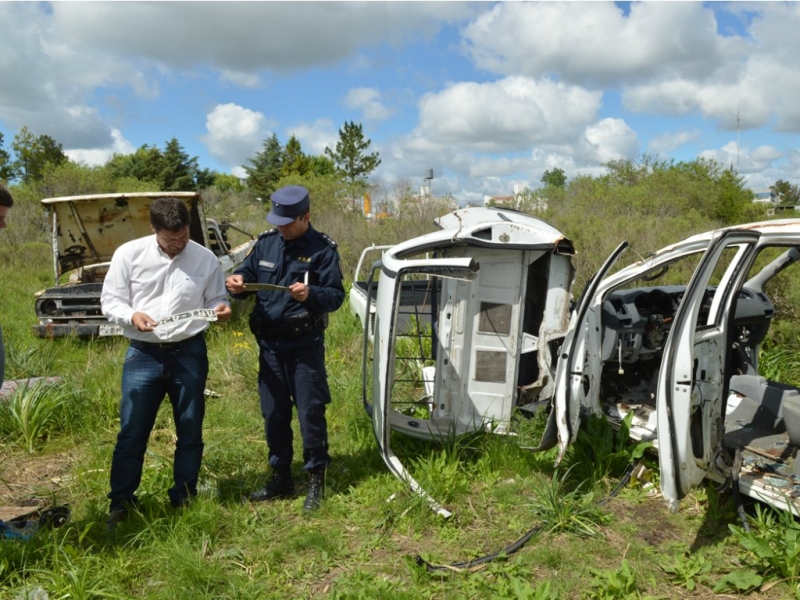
{"x": 34, "y": 480}
{"x": 649, "y": 519}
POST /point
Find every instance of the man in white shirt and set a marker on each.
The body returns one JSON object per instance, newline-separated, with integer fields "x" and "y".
{"x": 148, "y": 280}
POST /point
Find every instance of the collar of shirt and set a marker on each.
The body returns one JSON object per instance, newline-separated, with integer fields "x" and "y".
{"x": 302, "y": 242}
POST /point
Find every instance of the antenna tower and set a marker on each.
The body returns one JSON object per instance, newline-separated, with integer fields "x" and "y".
{"x": 738, "y": 136}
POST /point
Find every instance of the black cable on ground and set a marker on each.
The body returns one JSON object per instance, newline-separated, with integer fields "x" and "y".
{"x": 471, "y": 565}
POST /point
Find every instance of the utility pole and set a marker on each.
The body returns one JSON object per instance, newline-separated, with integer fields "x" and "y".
{"x": 738, "y": 135}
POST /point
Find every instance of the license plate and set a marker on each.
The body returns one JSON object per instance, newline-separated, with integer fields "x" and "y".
{"x": 109, "y": 330}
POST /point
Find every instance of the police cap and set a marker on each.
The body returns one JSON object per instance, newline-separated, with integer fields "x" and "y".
{"x": 288, "y": 203}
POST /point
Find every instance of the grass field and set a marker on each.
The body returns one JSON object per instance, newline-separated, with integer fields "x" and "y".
{"x": 360, "y": 544}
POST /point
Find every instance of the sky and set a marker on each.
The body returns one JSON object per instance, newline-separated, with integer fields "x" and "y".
{"x": 487, "y": 95}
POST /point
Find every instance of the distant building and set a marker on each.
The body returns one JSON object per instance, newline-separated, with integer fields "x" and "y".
{"x": 500, "y": 201}
{"x": 523, "y": 199}
{"x": 764, "y": 197}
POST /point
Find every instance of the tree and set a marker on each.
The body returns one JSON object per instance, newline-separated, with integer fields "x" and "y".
{"x": 350, "y": 156}
{"x": 7, "y": 171}
{"x": 34, "y": 154}
{"x": 294, "y": 162}
{"x": 733, "y": 199}
{"x": 785, "y": 192}
{"x": 321, "y": 165}
{"x": 171, "y": 170}
{"x": 178, "y": 172}
{"x": 206, "y": 178}
{"x": 554, "y": 178}
{"x": 146, "y": 164}
{"x": 227, "y": 182}
{"x": 626, "y": 172}
{"x": 265, "y": 168}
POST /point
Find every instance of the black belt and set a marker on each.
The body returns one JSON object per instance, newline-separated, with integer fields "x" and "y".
{"x": 165, "y": 345}
{"x": 291, "y": 328}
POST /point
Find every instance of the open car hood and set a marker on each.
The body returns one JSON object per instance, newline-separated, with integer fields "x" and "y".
{"x": 86, "y": 230}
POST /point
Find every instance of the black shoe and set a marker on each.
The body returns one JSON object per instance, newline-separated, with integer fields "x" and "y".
{"x": 181, "y": 504}
{"x": 315, "y": 488}
{"x": 115, "y": 517}
{"x": 280, "y": 486}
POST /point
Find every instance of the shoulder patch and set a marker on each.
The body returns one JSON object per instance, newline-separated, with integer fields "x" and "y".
{"x": 328, "y": 240}
{"x": 268, "y": 232}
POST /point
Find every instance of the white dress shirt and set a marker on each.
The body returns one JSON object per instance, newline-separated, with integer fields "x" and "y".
{"x": 143, "y": 278}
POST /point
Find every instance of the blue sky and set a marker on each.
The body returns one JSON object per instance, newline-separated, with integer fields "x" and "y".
{"x": 488, "y": 95}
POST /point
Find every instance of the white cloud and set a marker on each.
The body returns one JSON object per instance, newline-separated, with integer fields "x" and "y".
{"x": 58, "y": 55}
{"x": 665, "y": 57}
{"x": 235, "y": 133}
{"x": 368, "y": 101}
{"x": 314, "y": 137}
{"x": 668, "y": 142}
{"x": 723, "y": 101}
{"x": 100, "y": 156}
{"x": 47, "y": 82}
{"x": 610, "y": 139}
{"x": 248, "y": 36}
{"x": 245, "y": 80}
{"x": 474, "y": 175}
{"x": 594, "y": 42}
{"x": 507, "y": 115}
{"x": 742, "y": 159}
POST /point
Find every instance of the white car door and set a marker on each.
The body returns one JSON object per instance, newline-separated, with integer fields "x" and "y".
{"x": 693, "y": 381}
{"x": 564, "y": 419}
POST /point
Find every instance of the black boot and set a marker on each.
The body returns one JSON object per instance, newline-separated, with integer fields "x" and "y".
{"x": 280, "y": 486}
{"x": 315, "y": 487}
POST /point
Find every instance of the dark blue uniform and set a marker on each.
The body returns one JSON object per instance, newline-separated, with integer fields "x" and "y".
{"x": 291, "y": 339}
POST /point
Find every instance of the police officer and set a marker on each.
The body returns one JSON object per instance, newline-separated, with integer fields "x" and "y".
{"x": 289, "y": 327}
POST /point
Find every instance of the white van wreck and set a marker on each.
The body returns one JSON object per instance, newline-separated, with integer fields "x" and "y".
{"x": 466, "y": 326}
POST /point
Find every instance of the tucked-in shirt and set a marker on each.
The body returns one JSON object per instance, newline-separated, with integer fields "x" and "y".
{"x": 143, "y": 278}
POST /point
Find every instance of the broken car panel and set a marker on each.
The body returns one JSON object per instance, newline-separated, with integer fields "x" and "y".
{"x": 466, "y": 327}
{"x": 84, "y": 233}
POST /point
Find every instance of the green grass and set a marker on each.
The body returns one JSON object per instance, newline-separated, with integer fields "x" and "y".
{"x": 360, "y": 544}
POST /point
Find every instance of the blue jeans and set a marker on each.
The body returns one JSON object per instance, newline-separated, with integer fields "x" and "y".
{"x": 150, "y": 372}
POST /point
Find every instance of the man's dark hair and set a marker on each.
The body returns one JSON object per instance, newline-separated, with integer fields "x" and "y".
{"x": 170, "y": 214}
{"x": 5, "y": 197}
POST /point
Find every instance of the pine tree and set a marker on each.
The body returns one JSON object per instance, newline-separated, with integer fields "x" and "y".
{"x": 146, "y": 164}
{"x": 350, "y": 156}
{"x": 179, "y": 172}
{"x": 295, "y": 162}
{"x": 265, "y": 169}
